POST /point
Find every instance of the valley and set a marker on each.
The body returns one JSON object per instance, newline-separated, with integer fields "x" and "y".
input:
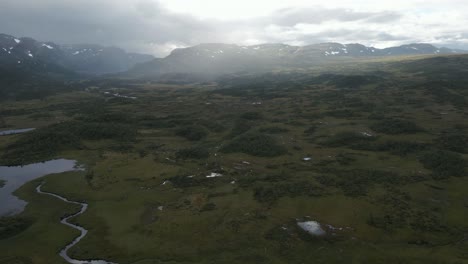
{"x": 230, "y": 168}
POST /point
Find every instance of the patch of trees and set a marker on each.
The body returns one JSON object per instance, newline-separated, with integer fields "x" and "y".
{"x": 396, "y": 212}
{"x": 149, "y": 121}
{"x": 395, "y": 147}
{"x": 25, "y": 82}
{"x": 271, "y": 193}
{"x": 44, "y": 143}
{"x": 443, "y": 95}
{"x": 255, "y": 144}
{"x": 456, "y": 140}
{"x": 264, "y": 179}
{"x": 348, "y": 138}
{"x": 273, "y": 130}
{"x": 311, "y": 130}
{"x": 182, "y": 181}
{"x": 357, "y": 182}
{"x": 401, "y": 148}
{"x": 192, "y": 132}
{"x": 252, "y": 116}
{"x": 345, "y": 81}
{"x": 196, "y": 152}
{"x": 11, "y": 226}
{"x": 444, "y": 164}
{"x": 212, "y": 125}
{"x": 396, "y": 126}
{"x": 240, "y": 127}
{"x": 341, "y": 113}
{"x": 107, "y": 117}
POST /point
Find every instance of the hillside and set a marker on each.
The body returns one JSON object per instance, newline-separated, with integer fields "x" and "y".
{"x": 87, "y": 59}
{"x": 215, "y": 59}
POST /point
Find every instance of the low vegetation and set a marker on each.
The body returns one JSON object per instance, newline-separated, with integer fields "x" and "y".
{"x": 396, "y": 126}
{"x": 11, "y": 226}
{"x": 229, "y": 167}
{"x": 255, "y": 144}
{"x": 444, "y": 164}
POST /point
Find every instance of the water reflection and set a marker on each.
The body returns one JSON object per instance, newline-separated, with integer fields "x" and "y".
{"x": 15, "y": 177}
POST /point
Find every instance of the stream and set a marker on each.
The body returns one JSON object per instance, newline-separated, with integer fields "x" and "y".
{"x": 64, "y": 252}
{"x": 15, "y": 131}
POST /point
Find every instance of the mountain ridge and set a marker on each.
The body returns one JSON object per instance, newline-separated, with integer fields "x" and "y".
{"x": 221, "y": 58}
{"x": 81, "y": 58}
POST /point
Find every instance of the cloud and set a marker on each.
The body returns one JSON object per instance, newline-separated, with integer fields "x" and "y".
{"x": 318, "y": 15}
{"x": 150, "y": 26}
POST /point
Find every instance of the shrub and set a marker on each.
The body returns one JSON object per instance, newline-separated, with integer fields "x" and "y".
{"x": 444, "y": 163}
{"x": 252, "y": 116}
{"x": 273, "y": 130}
{"x": 192, "y": 133}
{"x": 255, "y": 144}
{"x": 401, "y": 148}
{"x": 11, "y": 226}
{"x": 273, "y": 192}
{"x": 347, "y": 138}
{"x": 46, "y": 142}
{"x": 454, "y": 141}
{"x": 240, "y": 127}
{"x": 311, "y": 130}
{"x": 356, "y": 182}
{"x": 197, "y": 152}
{"x": 396, "y": 126}
{"x": 208, "y": 207}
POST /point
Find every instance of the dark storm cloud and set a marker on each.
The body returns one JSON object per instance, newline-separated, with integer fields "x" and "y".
{"x": 105, "y": 22}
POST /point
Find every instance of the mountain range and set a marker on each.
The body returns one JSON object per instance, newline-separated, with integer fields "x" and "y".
{"x": 27, "y": 53}
{"x": 36, "y": 57}
{"x": 213, "y": 59}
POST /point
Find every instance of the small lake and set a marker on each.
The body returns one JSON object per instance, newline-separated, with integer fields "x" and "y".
{"x": 15, "y": 177}
{"x": 15, "y": 131}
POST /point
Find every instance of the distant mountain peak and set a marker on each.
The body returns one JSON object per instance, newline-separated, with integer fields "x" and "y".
{"x": 82, "y": 58}
{"x": 221, "y": 58}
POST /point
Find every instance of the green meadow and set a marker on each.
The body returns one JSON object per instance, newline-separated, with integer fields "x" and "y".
{"x": 375, "y": 152}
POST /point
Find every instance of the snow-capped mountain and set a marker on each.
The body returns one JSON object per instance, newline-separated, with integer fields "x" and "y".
{"x": 89, "y": 59}
{"x": 227, "y": 58}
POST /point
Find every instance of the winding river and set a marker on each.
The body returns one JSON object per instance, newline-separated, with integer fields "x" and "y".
{"x": 15, "y": 177}
{"x": 64, "y": 252}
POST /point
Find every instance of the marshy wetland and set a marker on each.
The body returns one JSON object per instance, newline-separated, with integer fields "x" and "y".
{"x": 247, "y": 168}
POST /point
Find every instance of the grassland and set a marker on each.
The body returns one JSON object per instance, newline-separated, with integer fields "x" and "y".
{"x": 388, "y": 154}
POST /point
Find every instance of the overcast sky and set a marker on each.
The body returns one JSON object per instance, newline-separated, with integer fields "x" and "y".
{"x": 158, "y": 26}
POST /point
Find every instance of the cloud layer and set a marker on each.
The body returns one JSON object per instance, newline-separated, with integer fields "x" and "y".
{"x": 156, "y": 27}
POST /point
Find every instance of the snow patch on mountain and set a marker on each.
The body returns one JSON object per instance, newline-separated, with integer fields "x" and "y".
{"x": 47, "y": 46}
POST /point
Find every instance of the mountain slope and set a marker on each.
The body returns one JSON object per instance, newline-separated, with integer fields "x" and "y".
{"x": 215, "y": 59}
{"x": 88, "y": 59}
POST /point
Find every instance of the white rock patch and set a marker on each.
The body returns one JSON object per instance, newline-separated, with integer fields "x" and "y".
{"x": 312, "y": 227}
{"x": 214, "y": 175}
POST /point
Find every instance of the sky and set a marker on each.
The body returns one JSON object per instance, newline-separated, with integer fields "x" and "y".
{"x": 158, "y": 26}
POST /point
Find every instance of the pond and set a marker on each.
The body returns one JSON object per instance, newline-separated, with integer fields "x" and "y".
{"x": 15, "y": 177}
